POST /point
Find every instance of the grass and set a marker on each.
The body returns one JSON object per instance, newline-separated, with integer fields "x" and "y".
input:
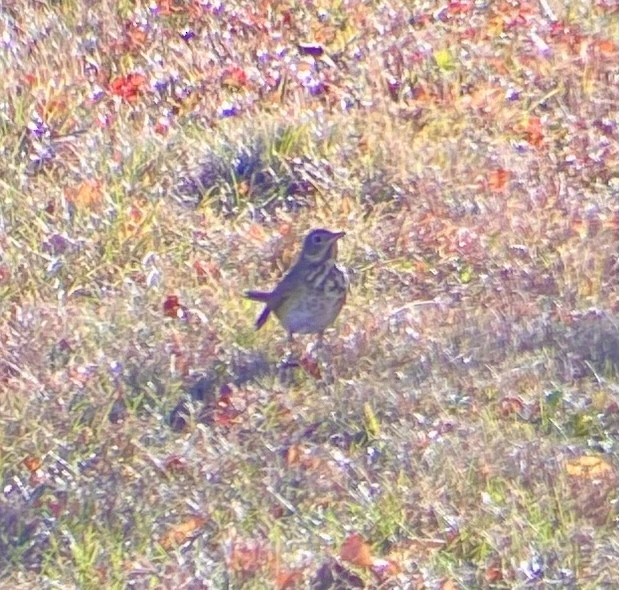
{"x": 159, "y": 159}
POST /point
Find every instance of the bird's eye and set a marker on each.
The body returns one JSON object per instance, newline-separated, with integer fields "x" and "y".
{"x": 317, "y": 239}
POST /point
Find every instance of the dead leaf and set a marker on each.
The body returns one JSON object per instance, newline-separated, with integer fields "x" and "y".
{"x": 169, "y": 7}
{"x": 510, "y": 405}
{"x": 498, "y": 179}
{"x": 87, "y": 195}
{"x": 206, "y": 270}
{"x": 181, "y": 533}
{"x": 372, "y": 425}
{"x": 332, "y": 575}
{"x": 135, "y": 37}
{"x": 493, "y": 573}
{"x": 128, "y": 87}
{"x": 234, "y": 77}
{"x": 356, "y": 551}
{"x": 286, "y": 580}
{"x": 384, "y": 569}
{"x": 310, "y": 366}
{"x": 173, "y": 308}
{"x": 293, "y": 453}
{"x": 32, "y": 463}
{"x": 249, "y": 557}
{"x": 175, "y": 464}
{"x": 589, "y": 466}
{"x": 531, "y": 130}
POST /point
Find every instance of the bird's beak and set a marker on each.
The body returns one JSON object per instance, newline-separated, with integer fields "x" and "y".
{"x": 333, "y": 243}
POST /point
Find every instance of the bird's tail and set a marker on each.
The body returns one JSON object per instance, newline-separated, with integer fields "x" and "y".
{"x": 263, "y": 297}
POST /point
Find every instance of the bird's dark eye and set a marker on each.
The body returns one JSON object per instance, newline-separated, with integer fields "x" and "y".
{"x": 317, "y": 239}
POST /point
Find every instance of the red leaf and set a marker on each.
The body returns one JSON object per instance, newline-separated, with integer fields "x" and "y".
{"x": 234, "y": 77}
{"x": 172, "y": 308}
{"x": 128, "y": 87}
{"x": 460, "y": 6}
{"x": 175, "y": 464}
{"x": 205, "y": 270}
{"x": 311, "y": 367}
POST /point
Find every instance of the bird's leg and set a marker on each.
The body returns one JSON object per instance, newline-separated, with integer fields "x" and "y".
{"x": 288, "y": 360}
{"x": 318, "y": 345}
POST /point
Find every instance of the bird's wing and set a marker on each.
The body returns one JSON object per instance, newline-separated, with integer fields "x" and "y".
{"x": 283, "y": 289}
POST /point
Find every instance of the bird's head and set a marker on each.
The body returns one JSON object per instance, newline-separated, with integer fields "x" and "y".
{"x": 320, "y": 244}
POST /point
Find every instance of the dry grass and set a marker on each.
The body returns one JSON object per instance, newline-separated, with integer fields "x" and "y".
{"x": 466, "y": 422}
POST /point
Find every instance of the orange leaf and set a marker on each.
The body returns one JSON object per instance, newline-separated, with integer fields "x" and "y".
{"x": 227, "y": 416}
{"x": 52, "y": 107}
{"x": 256, "y": 232}
{"x": 32, "y": 463}
{"x": 248, "y": 557}
{"x": 287, "y": 580}
{"x": 134, "y": 222}
{"x": 182, "y": 532}
{"x": 285, "y": 229}
{"x": 293, "y": 454}
{"x": 607, "y": 47}
{"x": 511, "y": 405}
{"x": 87, "y": 195}
{"x": 135, "y": 37}
{"x": 588, "y": 466}
{"x": 356, "y": 551}
{"x": 533, "y": 132}
{"x": 168, "y": 7}
{"x": 243, "y": 188}
{"x": 498, "y": 179}
{"x": 493, "y": 574}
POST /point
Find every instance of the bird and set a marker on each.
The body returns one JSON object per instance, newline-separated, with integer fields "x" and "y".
{"x": 311, "y": 295}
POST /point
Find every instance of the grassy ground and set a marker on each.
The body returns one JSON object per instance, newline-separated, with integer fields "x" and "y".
{"x": 160, "y": 158}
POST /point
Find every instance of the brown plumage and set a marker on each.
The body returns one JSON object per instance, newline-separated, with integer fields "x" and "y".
{"x": 311, "y": 294}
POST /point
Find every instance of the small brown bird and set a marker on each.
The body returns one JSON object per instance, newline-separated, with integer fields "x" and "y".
{"x": 310, "y": 296}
